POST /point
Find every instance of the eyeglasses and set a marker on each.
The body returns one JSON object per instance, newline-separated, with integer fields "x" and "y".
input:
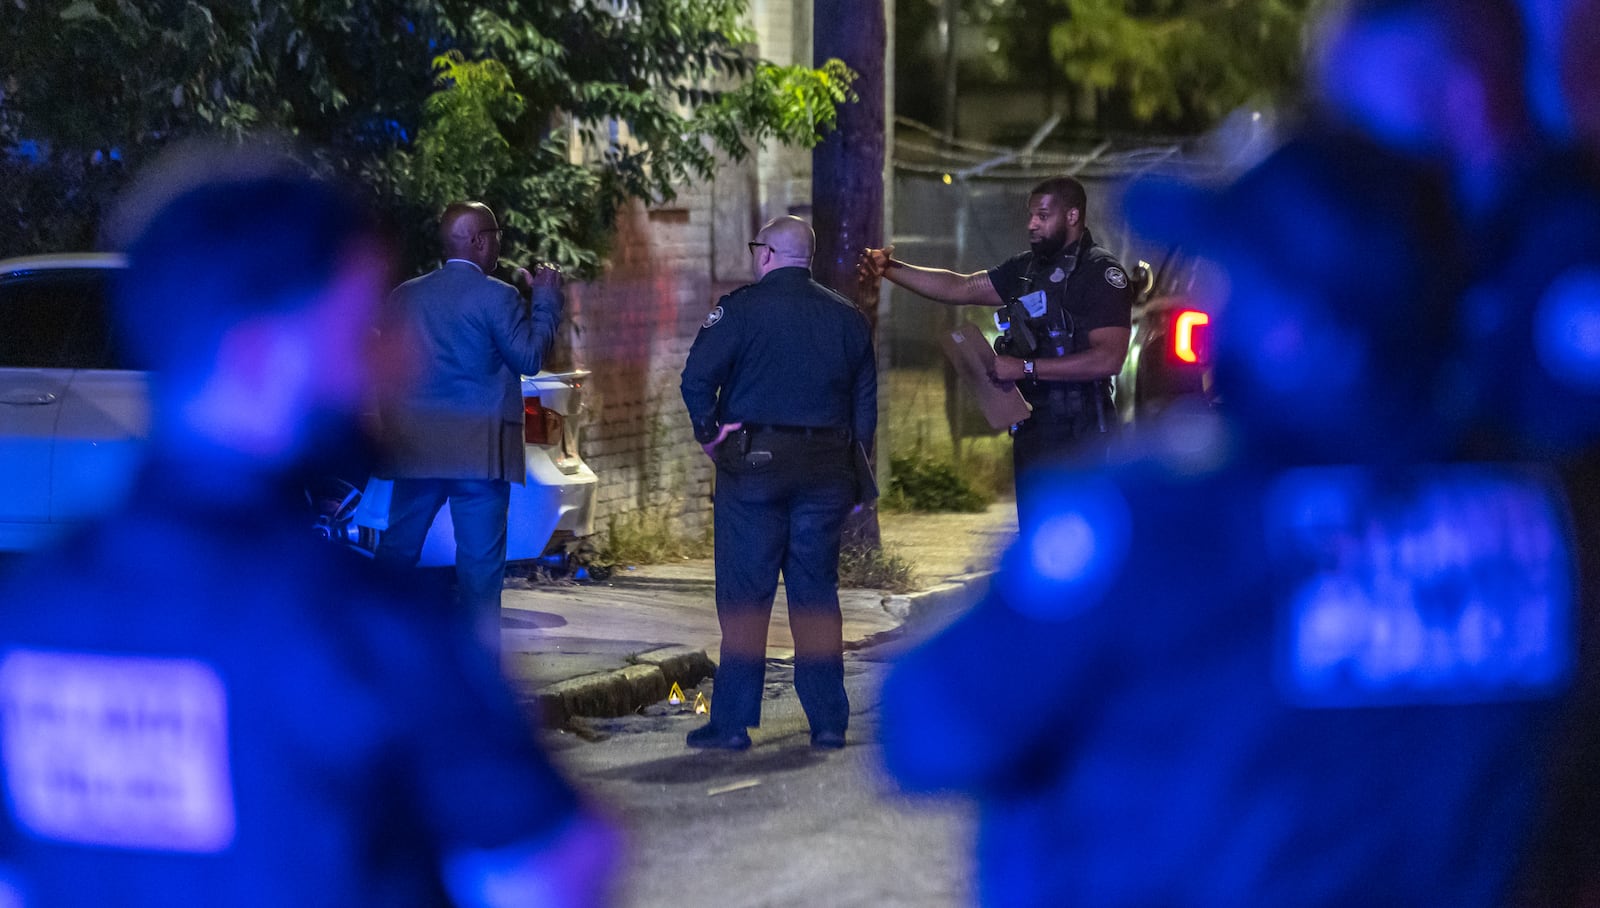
{"x": 754, "y": 246}
{"x": 494, "y": 230}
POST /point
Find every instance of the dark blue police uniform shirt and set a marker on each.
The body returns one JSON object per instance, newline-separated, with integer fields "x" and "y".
{"x": 1317, "y": 687}
{"x": 202, "y": 704}
{"x": 783, "y": 351}
{"x": 1098, "y": 292}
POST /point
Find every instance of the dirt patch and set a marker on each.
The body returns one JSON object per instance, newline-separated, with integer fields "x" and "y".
{"x": 943, "y": 545}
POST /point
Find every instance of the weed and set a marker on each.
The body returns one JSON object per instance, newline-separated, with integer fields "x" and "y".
{"x": 920, "y": 483}
{"x": 649, "y": 537}
{"x": 918, "y": 425}
{"x": 866, "y": 568}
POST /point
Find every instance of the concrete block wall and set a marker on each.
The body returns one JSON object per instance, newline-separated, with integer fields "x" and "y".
{"x": 632, "y": 329}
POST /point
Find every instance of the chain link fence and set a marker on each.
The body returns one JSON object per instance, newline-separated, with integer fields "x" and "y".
{"x": 963, "y": 206}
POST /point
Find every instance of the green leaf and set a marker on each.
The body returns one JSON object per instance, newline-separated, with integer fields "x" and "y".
{"x": 81, "y": 9}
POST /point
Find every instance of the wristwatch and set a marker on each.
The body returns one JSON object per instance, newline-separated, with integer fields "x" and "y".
{"x": 1027, "y": 367}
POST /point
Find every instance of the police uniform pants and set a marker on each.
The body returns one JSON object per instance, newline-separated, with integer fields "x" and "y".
{"x": 784, "y": 516}
{"x": 1045, "y": 440}
{"x": 478, "y": 509}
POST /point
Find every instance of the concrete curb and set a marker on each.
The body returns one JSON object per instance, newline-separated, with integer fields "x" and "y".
{"x": 621, "y": 691}
{"x": 940, "y": 603}
{"x": 652, "y": 674}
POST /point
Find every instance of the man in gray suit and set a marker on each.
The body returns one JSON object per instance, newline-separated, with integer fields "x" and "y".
{"x": 457, "y": 434}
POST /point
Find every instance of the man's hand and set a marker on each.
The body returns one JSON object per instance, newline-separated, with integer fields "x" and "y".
{"x": 546, "y": 276}
{"x": 1006, "y": 368}
{"x": 873, "y": 263}
{"x": 723, "y": 432}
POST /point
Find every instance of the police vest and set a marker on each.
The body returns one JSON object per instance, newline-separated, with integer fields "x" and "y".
{"x": 1048, "y": 282}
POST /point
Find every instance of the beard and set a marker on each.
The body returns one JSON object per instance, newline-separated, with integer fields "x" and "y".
{"x": 1050, "y": 246}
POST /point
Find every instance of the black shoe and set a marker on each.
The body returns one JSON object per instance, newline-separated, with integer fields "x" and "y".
{"x": 710, "y": 736}
{"x": 828, "y": 740}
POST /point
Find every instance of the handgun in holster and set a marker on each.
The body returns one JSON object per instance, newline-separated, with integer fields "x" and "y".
{"x": 1017, "y": 337}
{"x": 741, "y": 440}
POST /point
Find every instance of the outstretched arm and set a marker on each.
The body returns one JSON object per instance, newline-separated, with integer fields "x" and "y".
{"x": 937, "y": 284}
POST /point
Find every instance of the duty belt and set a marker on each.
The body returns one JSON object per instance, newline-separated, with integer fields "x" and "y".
{"x": 1062, "y": 398}
{"x": 813, "y": 431}
{"x": 1071, "y": 401}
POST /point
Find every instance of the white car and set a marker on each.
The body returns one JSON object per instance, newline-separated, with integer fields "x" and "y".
{"x": 552, "y": 510}
{"x": 73, "y": 420}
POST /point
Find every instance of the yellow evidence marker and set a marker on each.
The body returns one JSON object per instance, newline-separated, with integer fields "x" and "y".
{"x": 701, "y": 704}
{"x": 675, "y": 696}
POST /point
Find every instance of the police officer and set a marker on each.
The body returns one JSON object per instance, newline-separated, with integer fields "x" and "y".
{"x": 204, "y": 704}
{"x": 1298, "y": 707}
{"x": 781, "y": 386}
{"x": 1069, "y": 307}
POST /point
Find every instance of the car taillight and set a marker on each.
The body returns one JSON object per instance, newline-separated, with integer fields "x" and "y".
{"x": 1191, "y": 336}
{"x": 539, "y": 425}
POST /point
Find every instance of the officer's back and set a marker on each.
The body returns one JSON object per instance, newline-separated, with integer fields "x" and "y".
{"x": 1296, "y": 656}
{"x": 778, "y": 383}
{"x": 199, "y": 702}
{"x": 786, "y": 351}
{"x": 289, "y": 728}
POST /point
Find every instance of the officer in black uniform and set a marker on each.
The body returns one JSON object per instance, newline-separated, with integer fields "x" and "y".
{"x": 782, "y": 388}
{"x": 1067, "y": 305}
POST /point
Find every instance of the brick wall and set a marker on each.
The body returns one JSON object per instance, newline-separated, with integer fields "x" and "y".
{"x": 633, "y": 326}
{"x": 632, "y": 329}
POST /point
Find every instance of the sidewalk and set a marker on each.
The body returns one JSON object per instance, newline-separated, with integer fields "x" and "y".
{"x": 608, "y": 648}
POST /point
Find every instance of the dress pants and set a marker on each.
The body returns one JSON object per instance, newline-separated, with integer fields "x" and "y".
{"x": 478, "y": 509}
{"x": 784, "y": 515}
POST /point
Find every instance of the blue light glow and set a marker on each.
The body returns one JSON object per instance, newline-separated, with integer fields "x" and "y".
{"x": 1067, "y": 563}
{"x": 1450, "y": 586}
{"x": 1567, "y": 329}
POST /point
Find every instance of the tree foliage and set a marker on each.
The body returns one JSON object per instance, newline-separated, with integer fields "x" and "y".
{"x": 552, "y": 111}
{"x": 1162, "y": 65}
{"x": 1181, "y": 60}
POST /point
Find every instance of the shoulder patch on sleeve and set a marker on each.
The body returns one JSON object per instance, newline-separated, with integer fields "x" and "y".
{"x": 1116, "y": 278}
{"x": 712, "y": 317}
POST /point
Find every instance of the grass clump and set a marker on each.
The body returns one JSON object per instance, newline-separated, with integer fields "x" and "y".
{"x": 649, "y": 537}
{"x": 921, "y": 483}
{"x": 863, "y": 567}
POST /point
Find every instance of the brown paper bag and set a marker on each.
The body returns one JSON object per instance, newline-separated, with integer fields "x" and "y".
{"x": 970, "y": 353}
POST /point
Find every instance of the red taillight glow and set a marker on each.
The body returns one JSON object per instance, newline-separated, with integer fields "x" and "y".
{"x": 535, "y": 425}
{"x": 1188, "y": 343}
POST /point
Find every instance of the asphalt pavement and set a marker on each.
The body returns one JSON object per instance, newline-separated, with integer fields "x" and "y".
{"x": 609, "y": 648}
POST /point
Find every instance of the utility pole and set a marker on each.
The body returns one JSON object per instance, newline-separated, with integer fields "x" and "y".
{"x": 847, "y": 174}
{"x": 948, "y": 15}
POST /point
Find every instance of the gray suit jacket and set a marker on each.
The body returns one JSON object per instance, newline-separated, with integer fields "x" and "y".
{"x": 471, "y": 338}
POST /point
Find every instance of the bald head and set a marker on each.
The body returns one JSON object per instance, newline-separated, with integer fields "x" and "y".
{"x": 467, "y": 230}
{"x": 787, "y": 242}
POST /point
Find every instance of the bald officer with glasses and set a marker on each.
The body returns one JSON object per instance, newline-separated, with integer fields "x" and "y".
{"x": 781, "y": 384}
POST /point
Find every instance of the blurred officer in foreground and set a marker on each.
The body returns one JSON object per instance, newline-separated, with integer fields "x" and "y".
{"x": 1298, "y": 656}
{"x": 1440, "y": 81}
{"x": 1541, "y": 296}
{"x": 200, "y": 703}
{"x": 457, "y": 434}
{"x": 1069, "y": 307}
{"x": 782, "y": 389}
